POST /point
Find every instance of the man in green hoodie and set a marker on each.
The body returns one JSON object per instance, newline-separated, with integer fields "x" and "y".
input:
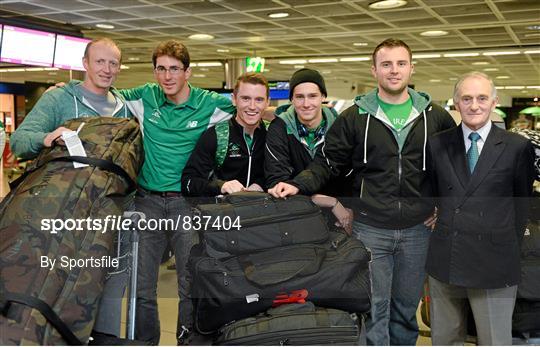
{"x": 95, "y": 96}
{"x": 384, "y": 135}
{"x": 295, "y": 135}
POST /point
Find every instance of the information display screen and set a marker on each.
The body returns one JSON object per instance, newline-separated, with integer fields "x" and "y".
{"x": 69, "y": 52}
{"x": 26, "y": 46}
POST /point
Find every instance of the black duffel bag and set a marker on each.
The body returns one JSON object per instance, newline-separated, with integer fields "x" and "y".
{"x": 251, "y": 221}
{"x": 293, "y": 324}
{"x": 335, "y": 274}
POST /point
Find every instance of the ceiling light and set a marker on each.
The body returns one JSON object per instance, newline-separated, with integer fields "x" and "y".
{"x": 222, "y": 50}
{"x": 491, "y": 69}
{"x": 502, "y": 77}
{"x": 533, "y": 87}
{"x": 266, "y": 70}
{"x": 501, "y": 53}
{"x": 133, "y": 58}
{"x": 278, "y": 15}
{"x": 453, "y": 78}
{"x": 201, "y": 37}
{"x": 52, "y": 73}
{"x": 51, "y": 69}
{"x": 255, "y": 39}
{"x": 464, "y": 54}
{"x": 532, "y": 35}
{"x": 360, "y": 44}
{"x": 386, "y": 4}
{"x": 209, "y": 64}
{"x": 434, "y": 80}
{"x": 425, "y": 56}
{"x": 323, "y": 60}
{"x": 124, "y": 67}
{"x": 299, "y": 66}
{"x": 533, "y": 27}
{"x": 497, "y": 87}
{"x": 104, "y": 26}
{"x": 14, "y": 70}
{"x": 354, "y": 59}
{"x": 204, "y": 69}
{"x": 480, "y": 63}
{"x": 199, "y": 75}
{"x": 434, "y": 33}
{"x": 326, "y": 72}
{"x": 537, "y": 51}
{"x": 293, "y": 61}
{"x": 514, "y": 87}
{"x": 34, "y": 69}
{"x": 525, "y": 91}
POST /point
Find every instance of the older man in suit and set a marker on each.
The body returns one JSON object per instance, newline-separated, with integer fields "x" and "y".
{"x": 482, "y": 177}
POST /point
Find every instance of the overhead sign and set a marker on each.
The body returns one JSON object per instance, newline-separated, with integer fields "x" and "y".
{"x": 254, "y": 64}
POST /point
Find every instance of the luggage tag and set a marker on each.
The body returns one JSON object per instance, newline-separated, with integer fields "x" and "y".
{"x": 74, "y": 145}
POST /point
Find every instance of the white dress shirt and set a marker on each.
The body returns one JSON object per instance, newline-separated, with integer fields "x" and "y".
{"x": 483, "y": 132}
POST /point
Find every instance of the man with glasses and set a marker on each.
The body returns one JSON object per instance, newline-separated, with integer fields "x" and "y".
{"x": 295, "y": 135}
{"x": 384, "y": 135}
{"x": 95, "y": 96}
{"x": 173, "y": 114}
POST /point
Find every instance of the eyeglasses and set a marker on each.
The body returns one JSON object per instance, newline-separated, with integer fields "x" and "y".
{"x": 173, "y": 70}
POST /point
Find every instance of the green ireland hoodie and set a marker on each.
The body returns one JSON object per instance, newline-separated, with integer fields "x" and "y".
{"x": 289, "y": 117}
{"x": 368, "y": 104}
{"x": 52, "y": 110}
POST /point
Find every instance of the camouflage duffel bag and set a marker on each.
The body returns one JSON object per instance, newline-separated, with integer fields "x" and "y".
{"x": 56, "y": 246}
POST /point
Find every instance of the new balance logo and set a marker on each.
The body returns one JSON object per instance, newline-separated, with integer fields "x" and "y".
{"x": 192, "y": 124}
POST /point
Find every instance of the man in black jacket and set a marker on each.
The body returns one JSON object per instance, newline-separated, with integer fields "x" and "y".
{"x": 483, "y": 177}
{"x": 229, "y": 156}
{"x": 295, "y": 135}
{"x": 383, "y": 137}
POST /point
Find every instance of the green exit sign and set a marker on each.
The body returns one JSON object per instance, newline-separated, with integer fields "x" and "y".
{"x": 254, "y": 64}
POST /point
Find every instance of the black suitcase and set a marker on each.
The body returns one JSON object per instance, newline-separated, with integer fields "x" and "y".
{"x": 335, "y": 274}
{"x": 293, "y": 324}
{"x": 255, "y": 221}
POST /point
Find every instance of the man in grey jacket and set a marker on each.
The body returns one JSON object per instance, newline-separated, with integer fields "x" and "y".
{"x": 95, "y": 96}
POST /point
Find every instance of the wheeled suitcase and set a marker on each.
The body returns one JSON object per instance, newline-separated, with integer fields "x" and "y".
{"x": 259, "y": 221}
{"x": 58, "y": 304}
{"x": 335, "y": 274}
{"x": 293, "y": 324}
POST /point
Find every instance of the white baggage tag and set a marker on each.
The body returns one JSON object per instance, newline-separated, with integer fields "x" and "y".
{"x": 252, "y": 298}
{"x": 74, "y": 145}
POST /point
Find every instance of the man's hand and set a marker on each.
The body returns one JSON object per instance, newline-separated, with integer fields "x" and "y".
{"x": 282, "y": 190}
{"x": 57, "y": 85}
{"x": 254, "y": 187}
{"x": 55, "y": 136}
{"x": 431, "y": 220}
{"x": 230, "y": 187}
{"x": 344, "y": 217}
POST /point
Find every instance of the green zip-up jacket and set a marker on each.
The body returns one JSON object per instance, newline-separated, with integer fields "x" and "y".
{"x": 52, "y": 110}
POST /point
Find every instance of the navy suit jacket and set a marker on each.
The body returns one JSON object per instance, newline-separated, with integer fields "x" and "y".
{"x": 482, "y": 216}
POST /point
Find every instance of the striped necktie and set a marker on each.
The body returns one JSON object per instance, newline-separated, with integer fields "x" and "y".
{"x": 472, "y": 153}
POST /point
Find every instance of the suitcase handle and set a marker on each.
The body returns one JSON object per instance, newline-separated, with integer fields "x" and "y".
{"x": 269, "y": 268}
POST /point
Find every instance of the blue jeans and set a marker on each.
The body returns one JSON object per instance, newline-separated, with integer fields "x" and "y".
{"x": 152, "y": 244}
{"x": 397, "y": 275}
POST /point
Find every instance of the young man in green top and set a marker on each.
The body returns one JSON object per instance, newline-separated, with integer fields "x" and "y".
{"x": 173, "y": 114}
{"x": 393, "y": 211}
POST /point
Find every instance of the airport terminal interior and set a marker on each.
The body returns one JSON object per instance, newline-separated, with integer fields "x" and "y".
{"x": 448, "y": 38}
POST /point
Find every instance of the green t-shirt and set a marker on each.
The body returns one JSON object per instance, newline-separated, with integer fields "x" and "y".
{"x": 249, "y": 140}
{"x": 397, "y": 113}
{"x": 171, "y": 131}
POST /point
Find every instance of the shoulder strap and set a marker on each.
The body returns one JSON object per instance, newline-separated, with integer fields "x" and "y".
{"x": 222, "y": 134}
{"x": 47, "y": 312}
{"x": 101, "y": 163}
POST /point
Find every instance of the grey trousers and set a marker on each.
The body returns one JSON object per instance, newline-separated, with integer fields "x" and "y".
{"x": 492, "y": 310}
